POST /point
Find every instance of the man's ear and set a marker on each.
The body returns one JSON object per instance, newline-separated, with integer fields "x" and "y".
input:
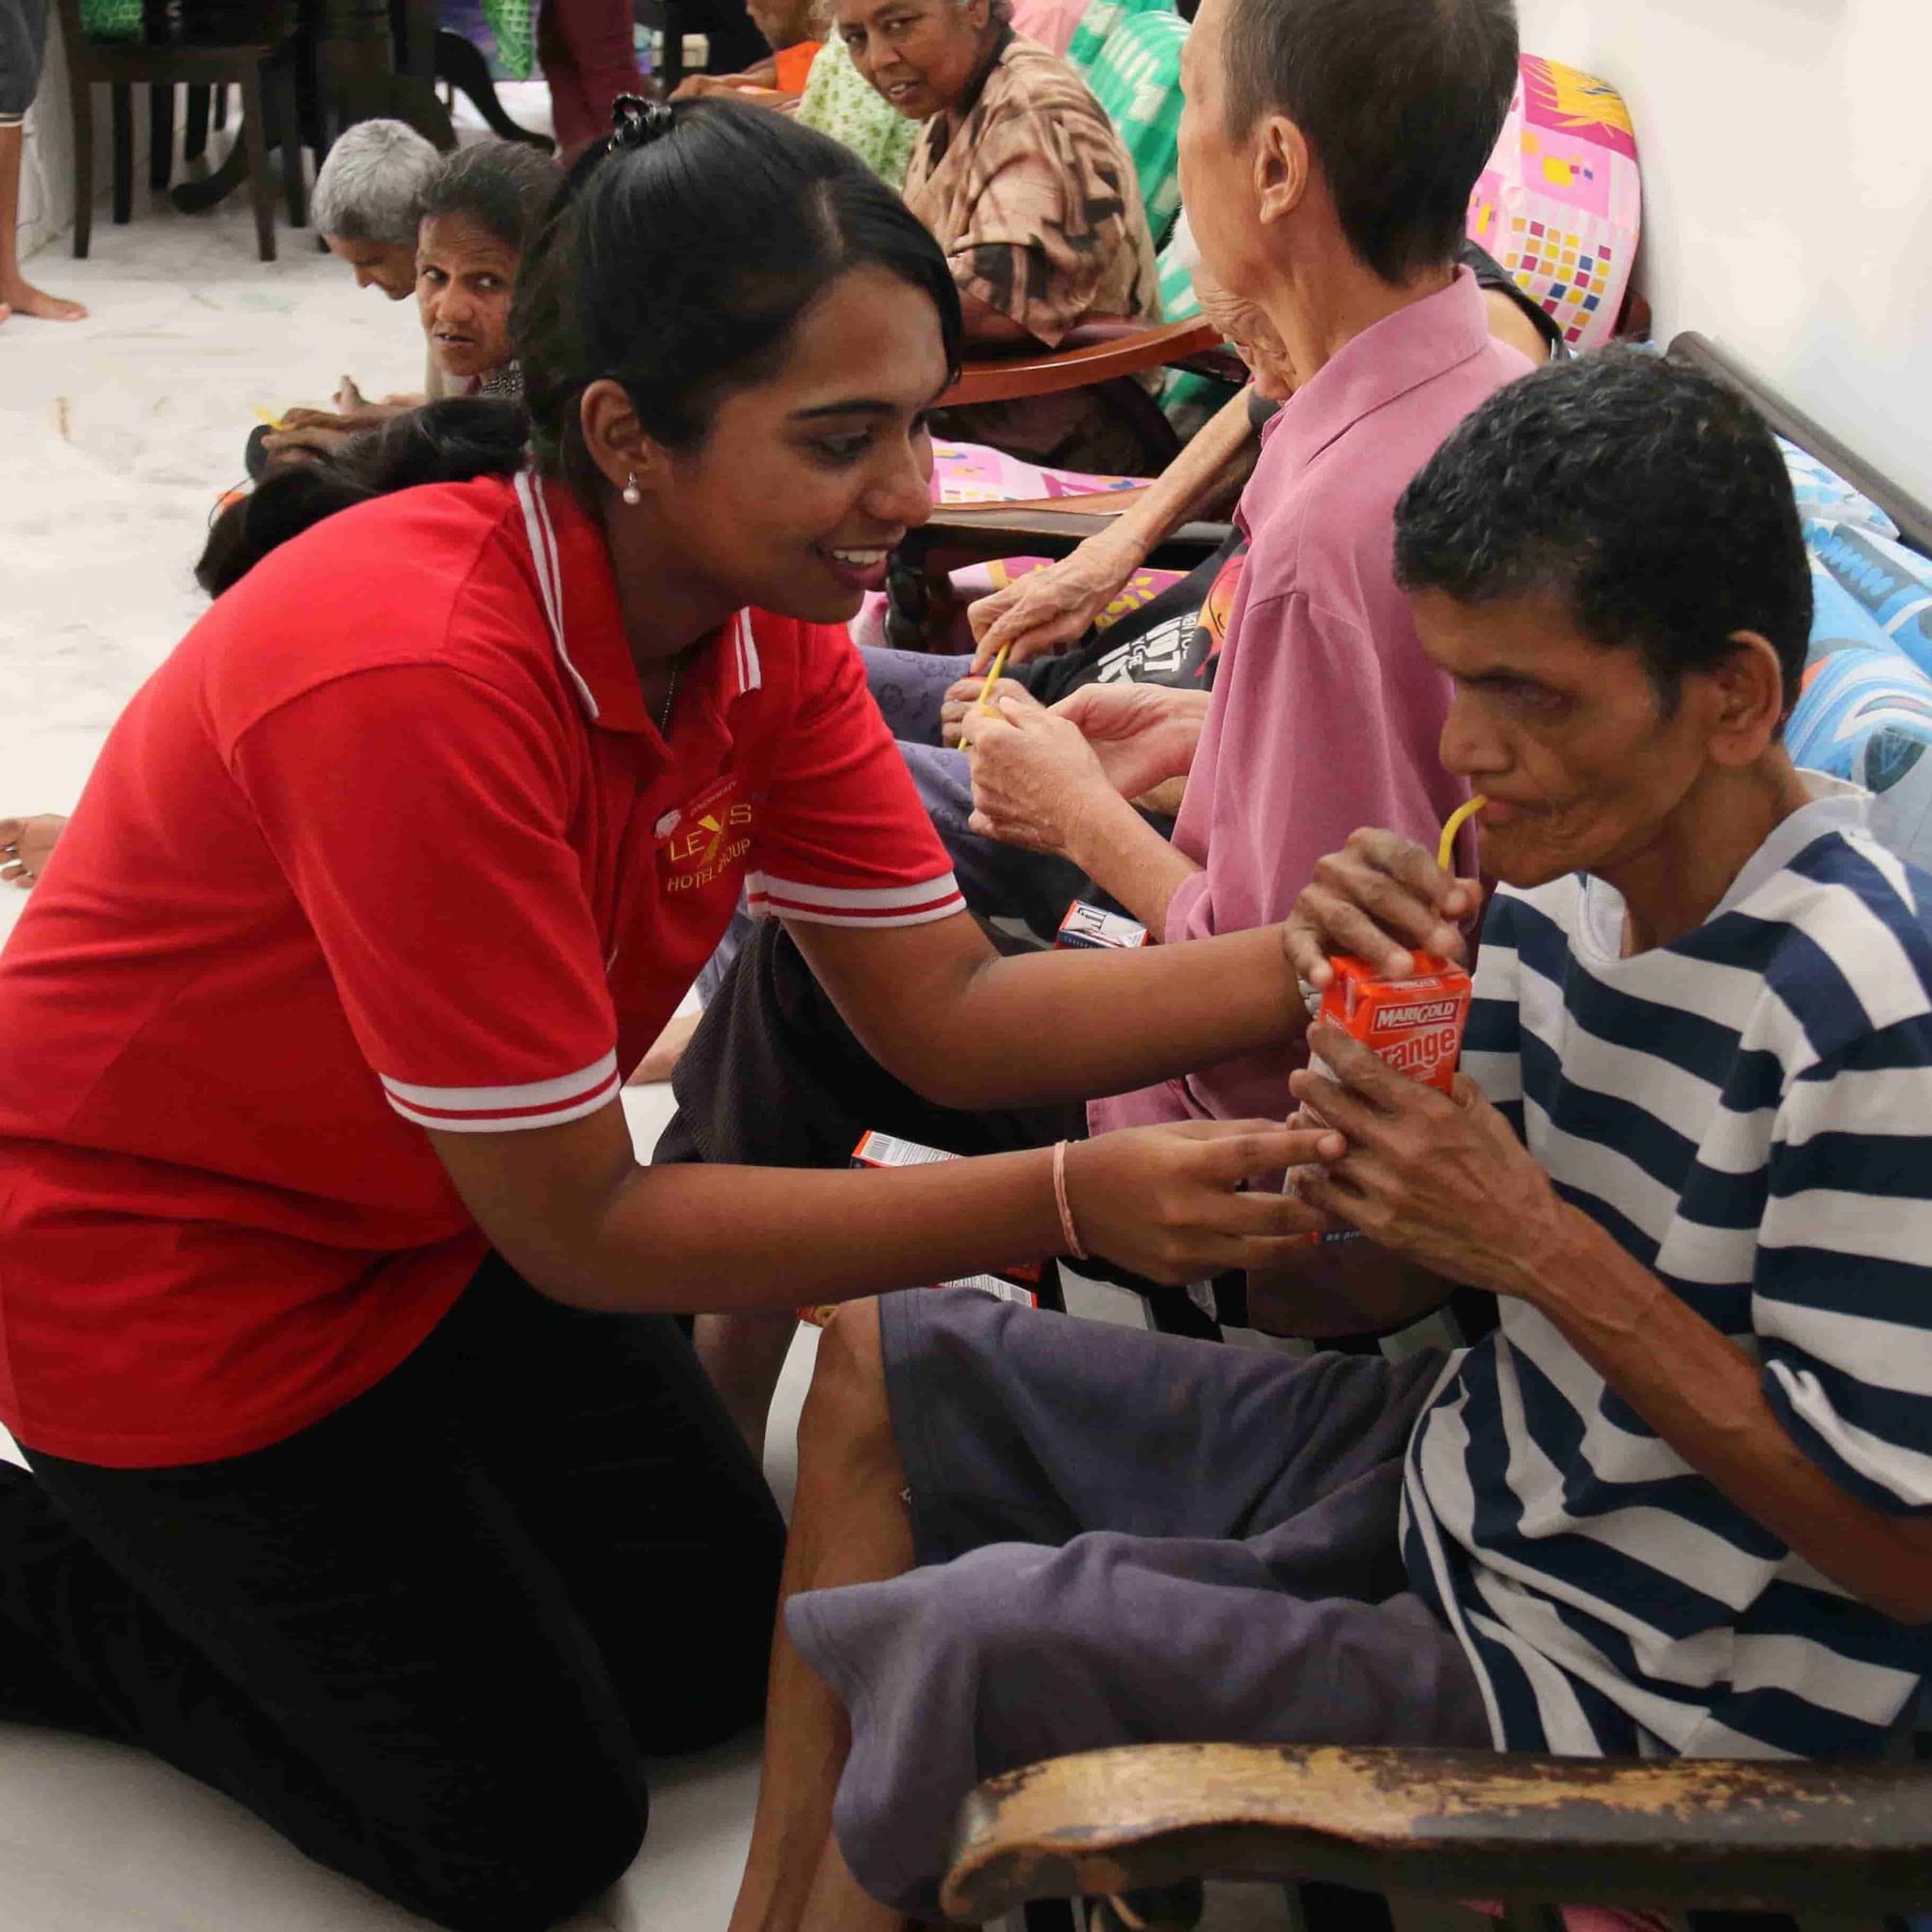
{"x": 1745, "y": 701}
{"x": 1283, "y": 164}
{"x": 615, "y": 440}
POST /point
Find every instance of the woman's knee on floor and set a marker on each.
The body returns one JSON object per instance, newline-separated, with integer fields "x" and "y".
{"x": 520, "y": 1852}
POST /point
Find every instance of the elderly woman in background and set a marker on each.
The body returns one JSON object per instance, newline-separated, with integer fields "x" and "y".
{"x": 476, "y": 215}
{"x": 368, "y": 206}
{"x": 1019, "y": 174}
{"x": 368, "y": 200}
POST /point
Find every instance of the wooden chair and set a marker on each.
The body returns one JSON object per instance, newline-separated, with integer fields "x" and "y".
{"x": 1850, "y": 1841}
{"x": 1107, "y": 353}
{"x": 261, "y": 64}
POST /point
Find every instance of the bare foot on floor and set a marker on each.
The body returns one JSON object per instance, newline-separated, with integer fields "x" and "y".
{"x": 667, "y": 1050}
{"x": 24, "y": 845}
{"x": 28, "y": 301}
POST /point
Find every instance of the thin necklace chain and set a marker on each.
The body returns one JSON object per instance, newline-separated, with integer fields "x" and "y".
{"x": 670, "y": 695}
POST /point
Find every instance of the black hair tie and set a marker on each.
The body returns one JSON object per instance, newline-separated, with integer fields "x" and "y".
{"x": 636, "y": 123}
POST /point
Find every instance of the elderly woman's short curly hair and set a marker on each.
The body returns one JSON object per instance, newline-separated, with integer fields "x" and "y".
{"x": 371, "y": 186}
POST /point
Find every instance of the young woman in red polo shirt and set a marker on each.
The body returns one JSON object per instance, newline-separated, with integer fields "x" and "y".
{"x": 372, "y": 1481}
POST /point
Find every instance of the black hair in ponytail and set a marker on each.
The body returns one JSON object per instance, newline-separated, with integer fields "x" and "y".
{"x": 449, "y": 442}
{"x": 678, "y": 258}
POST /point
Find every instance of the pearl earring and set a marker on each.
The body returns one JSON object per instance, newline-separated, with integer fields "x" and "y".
{"x": 633, "y": 495}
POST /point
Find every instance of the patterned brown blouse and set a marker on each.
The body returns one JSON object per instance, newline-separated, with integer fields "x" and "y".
{"x": 1035, "y": 203}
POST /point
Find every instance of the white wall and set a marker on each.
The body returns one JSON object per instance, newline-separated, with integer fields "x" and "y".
{"x": 1786, "y": 148}
{"x": 47, "y": 165}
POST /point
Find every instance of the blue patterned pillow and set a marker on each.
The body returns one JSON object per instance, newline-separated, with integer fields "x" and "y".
{"x": 1889, "y": 585}
{"x": 1866, "y": 715}
{"x": 1825, "y": 496}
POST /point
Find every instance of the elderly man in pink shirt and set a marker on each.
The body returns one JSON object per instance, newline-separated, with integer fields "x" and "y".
{"x": 1325, "y": 713}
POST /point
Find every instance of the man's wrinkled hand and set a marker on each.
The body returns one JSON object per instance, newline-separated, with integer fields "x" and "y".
{"x": 1382, "y": 897}
{"x": 1440, "y": 1178}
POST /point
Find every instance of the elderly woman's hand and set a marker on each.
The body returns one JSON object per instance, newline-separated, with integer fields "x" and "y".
{"x": 1143, "y": 734}
{"x": 1440, "y": 1178}
{"x": 1035, "y": 780}
{"x": 1046, "y": 610}
{"x": 1381, "y": 898}
{"x": 964, "y": 696}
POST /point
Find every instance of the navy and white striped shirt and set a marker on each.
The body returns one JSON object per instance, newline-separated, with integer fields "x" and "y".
{"x": 1749, "y": 1112}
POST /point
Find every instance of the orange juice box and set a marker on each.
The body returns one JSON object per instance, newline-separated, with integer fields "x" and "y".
{"x": 1414, "y": 1024}
{"x": 1016, "y": 1283}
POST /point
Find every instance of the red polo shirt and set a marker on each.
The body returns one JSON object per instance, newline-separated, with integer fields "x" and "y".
{"x": 390, "y": 842}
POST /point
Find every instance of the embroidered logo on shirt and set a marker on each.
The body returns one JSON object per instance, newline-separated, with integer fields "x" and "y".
{"x": 707, "y": 838}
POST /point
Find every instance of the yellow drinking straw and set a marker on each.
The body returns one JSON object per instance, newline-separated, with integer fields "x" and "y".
{"x": 1446, "y": 850}
{"x": 987, "y": 688}
{"x": 273, "y": 422}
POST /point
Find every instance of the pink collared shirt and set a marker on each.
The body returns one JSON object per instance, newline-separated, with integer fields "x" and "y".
{"x": 1327, "y": 714}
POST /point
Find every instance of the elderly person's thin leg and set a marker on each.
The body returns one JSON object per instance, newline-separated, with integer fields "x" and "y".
{"x": 18, "y": 295}
{"x": 849, "y": 1526}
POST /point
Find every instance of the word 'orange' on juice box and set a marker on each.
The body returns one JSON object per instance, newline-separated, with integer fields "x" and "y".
{"x": 1414, "y": 1024}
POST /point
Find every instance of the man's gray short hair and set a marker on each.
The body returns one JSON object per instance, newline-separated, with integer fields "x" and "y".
{"x": 371, "y": 187}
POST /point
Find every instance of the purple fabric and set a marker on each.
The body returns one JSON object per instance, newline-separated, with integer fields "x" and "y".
{"x": 1325, "y": 713}
{"x": 1125, "y": 1538}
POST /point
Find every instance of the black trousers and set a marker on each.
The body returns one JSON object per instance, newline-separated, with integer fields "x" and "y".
{"x": 428, "y": 1639}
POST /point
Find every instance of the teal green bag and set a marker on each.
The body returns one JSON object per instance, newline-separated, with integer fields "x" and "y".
{"x": 1137, "y": 79}
{"x": 1099, "y": 20}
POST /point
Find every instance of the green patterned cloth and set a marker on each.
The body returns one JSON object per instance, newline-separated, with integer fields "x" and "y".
{"x": 1175, "y": 267}
{"x": 1099, "y": 20}
{"x": 112, "y": 19}
{"x": 1137, "y": 77}
{"x": 514, "y": 23}
{"x": 840, "y": 101}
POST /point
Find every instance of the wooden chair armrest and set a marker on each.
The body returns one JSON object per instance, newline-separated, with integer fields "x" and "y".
{"x": 1850, "y": 1836}
{"x": 1099, "y": 352}
{"x": 959, "y": 534}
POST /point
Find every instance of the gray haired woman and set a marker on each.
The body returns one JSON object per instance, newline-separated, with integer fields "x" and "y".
{"x": 368, "y": 200}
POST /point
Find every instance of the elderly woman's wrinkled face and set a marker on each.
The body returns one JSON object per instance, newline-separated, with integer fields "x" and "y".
{"x": 389, "y": 266}
{"x": 922, "y": 55}
{"x": 465, "y": 277}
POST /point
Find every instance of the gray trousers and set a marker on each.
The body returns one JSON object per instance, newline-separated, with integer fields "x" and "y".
{"x": 1123, "y": 1538}
{"x": 23, "y": 40}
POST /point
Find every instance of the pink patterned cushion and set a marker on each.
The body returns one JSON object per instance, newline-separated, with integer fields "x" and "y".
{"x": 1559, "y": 204}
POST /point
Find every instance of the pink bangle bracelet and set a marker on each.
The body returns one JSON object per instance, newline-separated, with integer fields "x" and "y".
{"x": 1068, "y": 1233}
